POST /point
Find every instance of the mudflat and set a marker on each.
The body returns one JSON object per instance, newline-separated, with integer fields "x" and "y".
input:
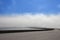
{"x": 36, "y": 35}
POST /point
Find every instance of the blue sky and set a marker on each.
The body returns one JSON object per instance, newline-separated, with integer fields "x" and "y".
{"x": 30, "y": 13}
{"x": 29, "y": 6}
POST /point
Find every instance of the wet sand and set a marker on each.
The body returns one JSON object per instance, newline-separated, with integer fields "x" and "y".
{"x": 36, "y": 35}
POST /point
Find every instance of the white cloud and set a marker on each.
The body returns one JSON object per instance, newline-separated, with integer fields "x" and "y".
{"x": 29, "y": 20}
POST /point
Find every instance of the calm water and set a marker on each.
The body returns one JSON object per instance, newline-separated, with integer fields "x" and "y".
{"x": 17, "y": 28}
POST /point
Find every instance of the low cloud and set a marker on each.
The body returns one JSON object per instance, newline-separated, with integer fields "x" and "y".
{"x": 30, "y": 20}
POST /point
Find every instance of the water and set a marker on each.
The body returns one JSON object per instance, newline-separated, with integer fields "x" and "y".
{"x": 18, "y": 28}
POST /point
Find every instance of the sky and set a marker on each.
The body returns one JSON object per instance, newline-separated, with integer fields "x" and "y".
{"x": 30, "y": 13}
